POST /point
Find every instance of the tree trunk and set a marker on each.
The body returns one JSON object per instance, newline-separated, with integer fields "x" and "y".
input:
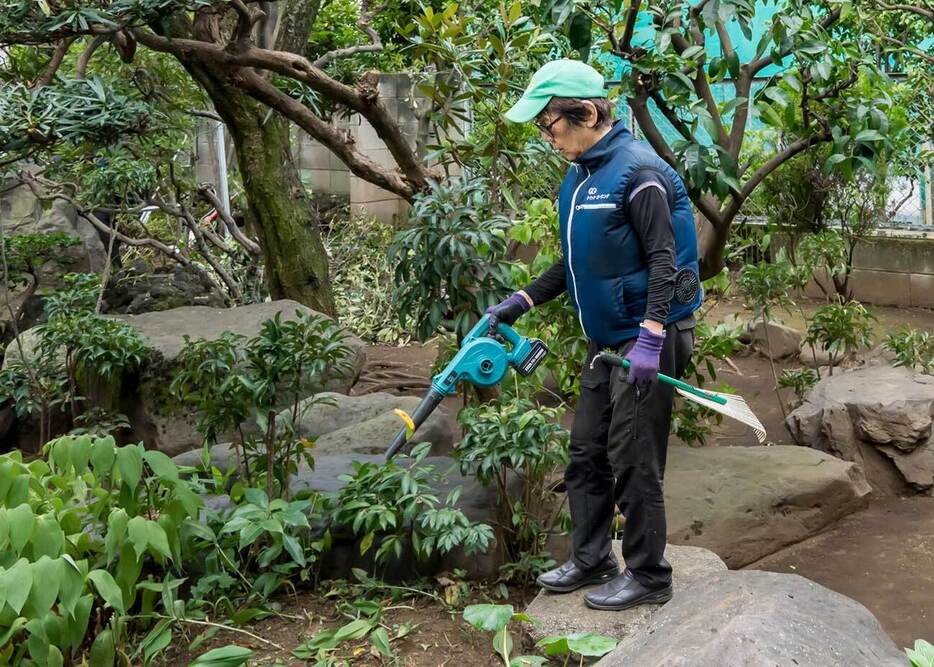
{"x": 278, "y": 207}
{"x": 711, "y": 245}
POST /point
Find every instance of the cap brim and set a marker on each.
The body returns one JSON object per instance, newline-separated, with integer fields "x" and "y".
{"x": 527, "y": 108}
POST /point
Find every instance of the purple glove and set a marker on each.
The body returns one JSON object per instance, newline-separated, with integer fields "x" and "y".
{"x": 507, "y": 311}
{"x": 643, "y": 358}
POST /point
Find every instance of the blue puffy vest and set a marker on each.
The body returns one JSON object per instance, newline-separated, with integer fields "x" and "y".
{"x": 607, "y": 276}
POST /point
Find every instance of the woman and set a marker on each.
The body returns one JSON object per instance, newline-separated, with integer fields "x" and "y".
{"x": 630, "y": 266}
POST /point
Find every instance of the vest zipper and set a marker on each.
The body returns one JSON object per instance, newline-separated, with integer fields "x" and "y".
{"x": 580, "y": 315}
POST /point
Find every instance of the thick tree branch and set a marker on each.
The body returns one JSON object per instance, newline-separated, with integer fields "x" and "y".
{"x": 299, "y": 68}
{"x": 798, "y": 146}
{"x": 84, "y": 59}
{"x": 337, "y": 141}
{"x": 625, "y": 43}
{"x": 247, "y": 17}
{"x": 61, "y": 49}
{"x": 670, "y": 115}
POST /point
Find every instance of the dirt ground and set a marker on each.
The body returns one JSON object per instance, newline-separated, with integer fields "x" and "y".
{"x": 433, "y": 636}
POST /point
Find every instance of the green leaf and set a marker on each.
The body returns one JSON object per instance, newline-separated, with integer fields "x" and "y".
{"x": 489, "y": 617}
{"x": 357, "y": 629}
{"x": 380, "y": 639}
{"x": 226, "y": 656}
{"x": 47, "y": 577}
{"x": 107, "y": 588}
{"x": 591, "y": 645}
{"x": 502, "y": 642}
{"x": 116, "y": 532}
{"x": 103, "y": 455}
{"x": 162, "y": 465}
{"x": 47, "y": 537}
{"x": 527, "y": 661}
{"x": 869, "y": 135}
{"x": 15, "y": 584}
{"x": 21, "y": 522}
{"x": 103, "y": 652}
{"x": 130, "y": 465}
{"x": 294, "y": 548}
{"x": 157, "y": 639}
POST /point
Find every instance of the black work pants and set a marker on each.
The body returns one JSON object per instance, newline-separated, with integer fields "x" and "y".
{"x": 618, "y": 449}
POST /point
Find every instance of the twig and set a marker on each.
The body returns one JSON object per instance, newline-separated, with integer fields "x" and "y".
{"x": 207, "y": 193}
{"x": 363, "y": 23}
{"x": 210, "y": 624}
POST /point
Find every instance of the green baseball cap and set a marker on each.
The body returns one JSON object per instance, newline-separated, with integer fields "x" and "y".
{"x": 559, "y": 78}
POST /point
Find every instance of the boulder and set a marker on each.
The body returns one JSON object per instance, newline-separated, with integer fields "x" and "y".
{"x": 786, "y": 341}
{"x": 879, "y": 417}
{"x": 758, "y": 619}
{"x": 556, "y": 614}
{"x": 744, "y": 503}
{"x": 367, "y": 424}
{"x": 142, "y": 288}
{"x": 154, "y": 416}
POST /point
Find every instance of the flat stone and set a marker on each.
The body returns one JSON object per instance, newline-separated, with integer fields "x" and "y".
{"x": 562, "y": 614}
{"x": 758, "y": 619}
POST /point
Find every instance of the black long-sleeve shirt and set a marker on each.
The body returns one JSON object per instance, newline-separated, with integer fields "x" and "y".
{"x": 650, "y": 218}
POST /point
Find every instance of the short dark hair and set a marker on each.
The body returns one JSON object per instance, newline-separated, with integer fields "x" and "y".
{"x": 575, "y": 112}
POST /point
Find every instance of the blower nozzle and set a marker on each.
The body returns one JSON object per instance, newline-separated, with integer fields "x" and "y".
{"x": 431, "y": 401}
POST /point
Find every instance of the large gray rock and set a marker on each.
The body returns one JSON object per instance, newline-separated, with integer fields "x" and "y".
{"x": 367, "y": 424}
{"x": 759, "y": 619}
{"x": 879, "y": 417}
{"x": 785, "y": 341}
{"x": 154, "y": 415}
{"x": 142, "y": 288}
{"x": 564, "y": 614}
{"x": 744, "y": 503}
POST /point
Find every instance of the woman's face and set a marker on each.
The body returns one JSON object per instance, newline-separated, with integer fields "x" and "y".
{"x": 569, "y": 139}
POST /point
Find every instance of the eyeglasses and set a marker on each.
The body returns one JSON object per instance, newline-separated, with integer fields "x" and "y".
{"x": 546, "y": 129}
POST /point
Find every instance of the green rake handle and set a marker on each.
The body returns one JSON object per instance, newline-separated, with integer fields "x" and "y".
{"x": 617, "y": 360}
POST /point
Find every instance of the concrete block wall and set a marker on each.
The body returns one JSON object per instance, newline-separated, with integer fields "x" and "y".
{"x": 894, "y": 268}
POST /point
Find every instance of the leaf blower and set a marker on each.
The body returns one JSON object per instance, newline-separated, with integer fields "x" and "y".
{"x": 482, "y": 361}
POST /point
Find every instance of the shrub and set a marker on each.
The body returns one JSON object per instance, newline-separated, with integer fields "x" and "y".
{"x": 913, "y": 348}
{"x": 840, "y": 328}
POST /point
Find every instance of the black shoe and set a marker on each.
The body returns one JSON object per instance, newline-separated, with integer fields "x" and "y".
{"x": 624, "y": 592}
{"x": 569, "y": 577}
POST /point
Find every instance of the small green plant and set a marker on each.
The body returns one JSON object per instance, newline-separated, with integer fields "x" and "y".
{"x": 392, "y": 507}
{"x": 840, "y": 329}
{"x": 922, "y": 655}
{"x": 825, "y": 252}
{"x": 225, "y": 656}
{"x": 79, "y": 361}
{"x": 239, "y": 384}
{"x": 800, "y": 380}
{"x": 517, "y": 439}
{"x": 450, "y": 262}
{"x": 913, "y": 348}
{"x": 582, "y": 644}
{"x": 366, "y": 623}
{"x": 496, "y": 618}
